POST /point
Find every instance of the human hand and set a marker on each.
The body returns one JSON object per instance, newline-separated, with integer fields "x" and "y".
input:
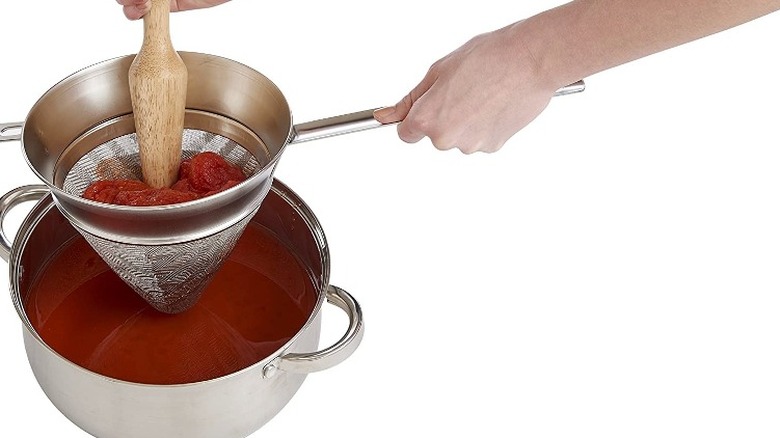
{"x": 135, "y": 9}
{"x": 475, "y": 98}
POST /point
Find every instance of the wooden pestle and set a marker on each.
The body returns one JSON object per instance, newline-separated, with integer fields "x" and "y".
{"x": 158, "y": 90}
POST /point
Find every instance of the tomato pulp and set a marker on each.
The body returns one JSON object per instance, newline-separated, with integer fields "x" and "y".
{"x": 202, "y": 175}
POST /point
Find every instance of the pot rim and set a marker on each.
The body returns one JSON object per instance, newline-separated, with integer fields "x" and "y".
{"x": 44, "y": 206}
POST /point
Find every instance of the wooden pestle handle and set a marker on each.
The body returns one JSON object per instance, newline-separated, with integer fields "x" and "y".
{"x": 158, "y": 90}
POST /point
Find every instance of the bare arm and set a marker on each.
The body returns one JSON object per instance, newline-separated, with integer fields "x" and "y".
{"x": 481, "y": 94}
{"x": 584, "y": 37}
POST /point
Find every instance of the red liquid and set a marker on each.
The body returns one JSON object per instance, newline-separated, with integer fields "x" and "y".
{"x": 258, "y": 300}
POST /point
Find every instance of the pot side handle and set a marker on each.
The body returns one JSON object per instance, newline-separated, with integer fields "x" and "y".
{"x": 10, "y": 131}
{"x": 304, "y": 363}
{"x": 362, "y": 120}
{"x": 11, "y": 200}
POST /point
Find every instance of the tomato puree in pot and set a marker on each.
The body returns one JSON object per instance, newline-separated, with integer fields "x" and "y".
{"x": 258, "y": 300}
{"x": 202, "y": 175}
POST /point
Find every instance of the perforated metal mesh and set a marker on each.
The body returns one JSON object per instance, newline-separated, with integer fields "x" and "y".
{"x": 118, "y": 158}
{"x": 170, "y": 277}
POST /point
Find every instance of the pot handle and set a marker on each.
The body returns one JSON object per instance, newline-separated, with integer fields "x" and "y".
{"x": 362, "y": 120}
{"x": 10, "y": 131}
{"x": 11, "y": 200}
{"x": 303, "y": 363}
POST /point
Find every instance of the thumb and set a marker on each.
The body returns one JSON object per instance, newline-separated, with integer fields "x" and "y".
{"x": 387, "y": 115}
{"x": 399, "y": 111}
{"x": 134, "y": 9}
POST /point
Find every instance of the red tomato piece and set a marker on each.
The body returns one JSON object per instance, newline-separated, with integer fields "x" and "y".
{"x": 106, "y": 191}
{"x": 209, "y": 171}
{"x": 202, "y": 175}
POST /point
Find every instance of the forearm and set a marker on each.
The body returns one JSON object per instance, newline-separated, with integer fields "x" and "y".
{"x": 584, "y": 37}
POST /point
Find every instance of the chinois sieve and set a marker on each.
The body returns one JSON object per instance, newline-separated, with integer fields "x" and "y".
{"x": 82, "y": 129}
{"x": 168, "y": 276}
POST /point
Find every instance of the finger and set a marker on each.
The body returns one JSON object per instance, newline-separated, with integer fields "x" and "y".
{"x": 136, "y": 11}
{"x": 400, "y": 110}
{"x": 409, "y": 133}
{"x": 386, "y": 115}
{"x": 415, "y": 126}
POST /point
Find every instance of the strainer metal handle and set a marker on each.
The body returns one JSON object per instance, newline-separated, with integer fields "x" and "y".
{"x": 362, "y": 120}
{"x": 11, "y": 200}
{"x": 11, "y": 131}
{"x": 303, "y": 363}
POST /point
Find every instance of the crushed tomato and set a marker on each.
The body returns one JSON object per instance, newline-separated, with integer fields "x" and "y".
{"x": 202, "y": 175}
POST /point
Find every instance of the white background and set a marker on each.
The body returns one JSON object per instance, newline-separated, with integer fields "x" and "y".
{"x": 612, "y": 272}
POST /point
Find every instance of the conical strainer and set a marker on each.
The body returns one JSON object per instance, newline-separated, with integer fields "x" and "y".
{"x": 171, "y": 276}
{"x": 82, "y": 130}
{"x": 168, "y": 253}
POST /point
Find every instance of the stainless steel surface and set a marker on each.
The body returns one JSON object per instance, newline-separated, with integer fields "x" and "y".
{"x": 332, "y": 126}
{"x": 576, "y": 87}
{"x": 335, "y": 354}
{"x": 232, "y": 406}
{"x": 10, "y": 131}
{"x": 11, "y": 200}
{"x": 171, "y": 278}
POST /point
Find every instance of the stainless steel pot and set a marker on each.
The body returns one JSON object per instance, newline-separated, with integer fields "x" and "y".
{"x": 235, "y": 405}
